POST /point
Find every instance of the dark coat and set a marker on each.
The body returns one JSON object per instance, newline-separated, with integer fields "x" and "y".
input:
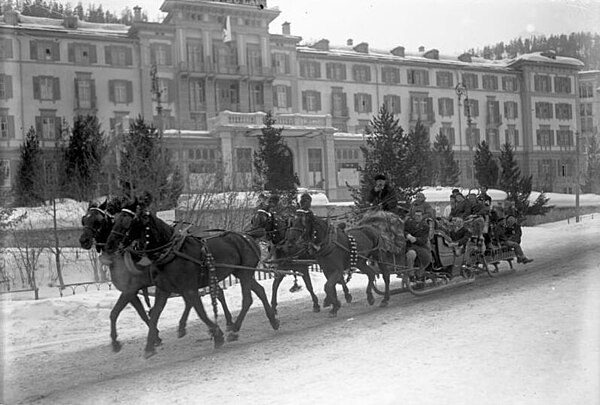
{"x": 386, "y": 199}
{"x": 419, "y": 230}
{"x": 510, "y": 233}
{"x": 460, "y": 236}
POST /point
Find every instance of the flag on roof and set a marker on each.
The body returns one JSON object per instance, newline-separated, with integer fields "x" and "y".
{"x": 227, "y": 37}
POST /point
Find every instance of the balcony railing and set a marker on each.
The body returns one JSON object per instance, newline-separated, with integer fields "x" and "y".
{"x": 230, "y": 118}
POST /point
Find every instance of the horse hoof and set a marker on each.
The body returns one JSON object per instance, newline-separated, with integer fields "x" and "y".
{"x": 149, "y": 353}
{"x": 348, "y": 298}
{"x": 275, "y": 324}
{"x": 326, "y": 302}
{"x": 316, "y": 308}
{"x": 116, "y": 346}
{"x": 383, "y": 304}
{"x": 158, "y": 342}
{"x": 181, "y": 333}
{"x": 232, "y": 337}
{"x": 371, "y": 300}
{"x": 332, "y": 314}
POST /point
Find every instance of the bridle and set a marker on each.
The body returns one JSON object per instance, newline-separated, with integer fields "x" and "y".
{"x": 105, "y": 216}
{"x": 121, "y": 234}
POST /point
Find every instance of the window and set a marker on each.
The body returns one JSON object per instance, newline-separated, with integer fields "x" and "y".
{"x": 5, "y": 87}
{"x": 160, "y": 54}
{"x": 490, "y": 82}
{"x": 543, "y": 110}
{"x": 418, "y": 77}
{"x": 446, "y": 107}
{"x": 448, "y": 131}
{"x": 492, "y": 138}
{"x": 281, "y": 62}
{"x": 471, "y": 108}
{"x": 202, "y": 160}
{"x": 315, "y": 168}
{"x": 545, "y": 136}
{"x": 586, "y": 90}
{"x": 562, "y": 85}
{"x": 47, "y": 124}
{"x": 243, "y": 160}
{"x": 85, "y": 93}
{"x": 6, "y": 48}
{"x": 362, "y": 103}
{"x": 511, "y": 110}
{"x": 46, "y": 88}
{"x": 392, "y": 103}
{"x": 228, "y": 95}
{"x": 390, "y": 75}
{"x": 493, "y": 113}
{"x": 164, "y": 86}
{"x": 118, "y": 55}
{"x": 120, "y": 91}
{"x": 566, "y": 168}
{"x": 421, "y": 107}
{"x": 564, "y": 137}
{"x": 339, "y": 107}
{"x": 509, "y": 83}
{"x": 311, "y": 100}
{"x": 282, "y": 96}
{"x": 587, "y": 120}
{"x": 545, "y": 167}
{"x": 347, "y": 161}
{"x": 4, "y": 173}
{"x": 7, "y": 124}
{"x": 361, "y": 73}
{"x": 195, "y": 55}
{"x": 196, "y": 90}
{"x": 82, "y": 54}
{"x": 563, "y": 111}
{"x": 120, "y": 123}
{"x": 473, "y": 136}
{"x": 542, "y": 83}
{"x": 44, "y": 50}
{"x": 254, "y": 57}
{"x": 336, "y": 71}
{"x": 444, "y": 79}
{"x": 257, "y": 96}
{"x": 470, "y": 80}
{"x": 310, "y": 69}
{"x": 362, "y": 125}
{"x": 511, "y": 135}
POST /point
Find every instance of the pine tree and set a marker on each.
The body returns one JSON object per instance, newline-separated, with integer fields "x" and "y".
{"x": 510, "y": 172}
{"x": 28, "y": 188}
{"x": 146, "y": 166}
{"x": 486, "y": 168}
{"x": 446, "y": 171}
{"x": 83, "y": 157}
{"x": 592, "y": 175}
{"x": 274, "y": 164}
{"x": 418, "y": 162}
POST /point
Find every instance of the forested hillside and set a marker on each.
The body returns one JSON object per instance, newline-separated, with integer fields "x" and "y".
{"x": 584, "y": 46}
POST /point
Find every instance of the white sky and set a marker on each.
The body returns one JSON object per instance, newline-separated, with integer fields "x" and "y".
{"x": 452, "y": 26}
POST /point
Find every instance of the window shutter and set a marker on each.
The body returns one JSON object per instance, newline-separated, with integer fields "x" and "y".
{"x": 33, "y": 50}
{"x": 317, "y": 69}
{"x": 93, "y": 93}
{"x": 368, "y": 73}
{"x": 128, "y": 56}
{"x": 8, "y": 86}
{"x": 56, "y": 88}
{"x": 396, "y": 75}
{"x": 303, "y": 69}
{"x": 496, "y": 108}
{"x": 288, "y": 91}
{"x": 475, "y": 108}
{"x": 426, "y": 74}
{"x": 275, "y": 97}
{"x": 344, "y": 105}
{"x": 55, "y": 51}
{"x": 318, "y": 95}
{"x": 57, "y": 126}
{"x": 328, "y": 70}
{"x": 552, "y": 137}
{"x": 108, "y": 55}
{"x": 170, "y": 86}
{"x": 38, "y": 126}
{"x": 111, "y": 91}
{"x": 71, "y": 53}
{"x": 356, "y": 103}
{"x": 430, "y": 112}
{"x": 550, "y": 112}
{"x": 11, "y": 126}
{"x": 153, "y": 54}
{"x": 538, "y": 137}
{"x": 36, "y": 87}
{"x": 76, "y": 94}
{"x": 169, "y": 56}
{"x": 354, "y": 73}
{"x": 93, "y": 55}
{"x": 129, "y": 87}
{"x": 8, "y": 48}
{"x": 343, "y": 72}
{"x": 369, "y": 103}
{"x": 441, "y": 106}
{"x": 286, "y": 60}
{"x": 516, "y": 132}
{"x": 304, "y": 100}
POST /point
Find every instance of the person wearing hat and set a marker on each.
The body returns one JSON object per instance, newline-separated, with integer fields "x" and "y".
{"x": 305, "y": 202}
{"x": 421, "y": 204}
{"x": 416, "y": 231}
{"x": 510, "y": 234}
{"x": 382, "y": 195}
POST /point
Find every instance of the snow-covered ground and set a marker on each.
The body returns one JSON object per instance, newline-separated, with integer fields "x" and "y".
{"x": 532, "y": 337}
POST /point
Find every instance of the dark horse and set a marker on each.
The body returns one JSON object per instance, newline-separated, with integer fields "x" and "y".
{"x": 186, "y": 263}
{"x": 98, "y": 222}
{"x": 338, "y": 250}
{"x": 272, "y": 228}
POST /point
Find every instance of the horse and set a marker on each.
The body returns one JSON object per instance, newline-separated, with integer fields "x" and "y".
{"x": 97, "y": 223}
{"x": 272, "y": 228}
{"x": 337, "y": 249}
{"x": 185, "y": 263}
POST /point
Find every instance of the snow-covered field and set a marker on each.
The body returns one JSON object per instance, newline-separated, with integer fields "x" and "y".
{"x": 532, "y": 337}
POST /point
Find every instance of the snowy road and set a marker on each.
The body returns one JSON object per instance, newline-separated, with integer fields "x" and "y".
{"x": 527, "y": 338}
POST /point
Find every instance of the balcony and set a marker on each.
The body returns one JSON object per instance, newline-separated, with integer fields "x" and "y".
{"x": 236, "y": 119}
{"x": 493, "y": 120}
{"x": 191, "y": 68}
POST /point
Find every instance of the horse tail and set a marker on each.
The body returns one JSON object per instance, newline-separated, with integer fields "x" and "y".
{"x": 213, "y": 281}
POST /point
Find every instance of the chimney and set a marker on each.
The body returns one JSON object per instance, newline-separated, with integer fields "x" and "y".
{"x": 137, "y": 14}
{"x": 322, "y": 45}
{"x": 421, "y": 48}
{"x": 71, "y": 22}
{"x": 11, "y": 17}
{"x": 285, "y": 28}
{"x": 363, "y": 47}
{"x": 349, "y": 42}
{"x": 398, "y": 51}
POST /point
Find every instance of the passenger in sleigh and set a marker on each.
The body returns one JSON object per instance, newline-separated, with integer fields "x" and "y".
{"x": 382, "y": 195}
{"x": 462, "y": 207}
{"x": 416, "y": 231}
{"x": 421, "y": 204}
{"x": 510, "y": 235}
{"x": 460, "y": 235}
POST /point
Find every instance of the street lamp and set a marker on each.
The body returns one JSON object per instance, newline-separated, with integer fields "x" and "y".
{"x": 462, "y": 91}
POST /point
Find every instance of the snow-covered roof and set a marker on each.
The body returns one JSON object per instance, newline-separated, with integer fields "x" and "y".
{"x": 546, "y": 57}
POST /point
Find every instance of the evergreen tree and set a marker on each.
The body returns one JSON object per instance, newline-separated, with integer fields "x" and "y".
{"x": 592, "y": 175}
{"x": 446, "y": 171}
{"x": 274, "y": 164}
{"x": 83, "y": 157}
{"x": 510, "y": 174}
{"x": 385, "y": 153}
{"x": 28, "y": 188}
{"x": 418, "y": 162}
{"x": 146, "y": 166}
{"x": 486, "y": 168}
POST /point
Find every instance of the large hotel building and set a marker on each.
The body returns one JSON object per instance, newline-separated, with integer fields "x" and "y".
{"x": 212, "y": 87}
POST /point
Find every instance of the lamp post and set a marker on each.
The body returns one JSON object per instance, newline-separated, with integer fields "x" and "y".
{"x": 157, "y": 93}
{"x": 577, "y": 176}
{"x": 462, "y": 91}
